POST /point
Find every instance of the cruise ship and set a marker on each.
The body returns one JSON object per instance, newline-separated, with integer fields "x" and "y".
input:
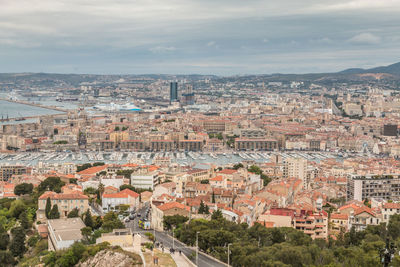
{"x": 112, "y": 107}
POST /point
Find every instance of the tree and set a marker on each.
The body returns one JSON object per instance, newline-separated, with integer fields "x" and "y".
{"x": 111, "y": 221}
{"x": 255, "y": 169}
{"x": 48, "y": 208}
{"x": 86, "y": 232}
{"x": 202, "y": 208}
{"x": 6, "y": 258}
{"x": 116, "y": 129}
{"x": 73, "y": 213}
{"x": 88, "y": 219}
{"x": 213, "y": 197}
{"x": 23, "y": 218}
{"x": 16, "y": 208}
{"x": 54, "y": 213}
{"x": 4, "y": 240}
{"x": 207, "y": 210}
{"x": 393, "y": 227}
{"x": 101, "y": 190}
{"x": 17, "y": 245}
{"x": 127, "y": 186}
{"x": 51, "y": 184}
{"x": 238, "y": 166}
{"x": 174, "y": 221}
{"x": 23, "y": 189}
{"x": 217, "y": 215}
{"x": 205, "y": 181}
{"x": 266, "y": 179}
{"x": 73, "y": 181}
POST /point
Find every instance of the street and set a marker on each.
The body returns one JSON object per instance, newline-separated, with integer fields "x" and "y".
{"x": 167, "y": 241}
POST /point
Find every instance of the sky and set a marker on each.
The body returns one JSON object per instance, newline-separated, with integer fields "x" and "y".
{"x": 221, "y": 37}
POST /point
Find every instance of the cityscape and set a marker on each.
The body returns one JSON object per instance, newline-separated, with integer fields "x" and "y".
{"x": 200, "y": 167}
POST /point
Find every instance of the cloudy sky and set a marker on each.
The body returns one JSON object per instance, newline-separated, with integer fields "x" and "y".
{"x": 222, "y": 37}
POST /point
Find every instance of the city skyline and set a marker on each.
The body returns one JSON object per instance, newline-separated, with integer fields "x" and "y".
{"x": 193, "y": 37}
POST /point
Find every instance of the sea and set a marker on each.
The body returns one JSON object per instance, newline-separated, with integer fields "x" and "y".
{"x": 18, "y": 110}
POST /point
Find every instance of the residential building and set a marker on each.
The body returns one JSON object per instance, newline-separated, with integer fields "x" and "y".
{"x": 62, "y": 233}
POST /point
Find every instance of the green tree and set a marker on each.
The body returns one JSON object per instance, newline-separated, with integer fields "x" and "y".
{"x": 54, "y": 213}
{"x": 73, "y": 213}
{"x": 111, "y": 221}
{"x": 255, "y": 169}
{"x": 23, "y": 189}
{"x": 48, "y": 208}
{"x": 116, "y": 129}
{"x": 205, "y": 181}
{"x": 88, "y": 219}
{"x": 23, "y": 218}
{"x": 17, "y": 207}
{"x": 51, "y": 184}
{"x": 174, "y": 221}
{"x": 207, "y": 210}
{"x": 86, "y": 232}
{"x": 213, "y": 197}
{"x": 238, "y": 166}
{"x": 17, "y": 245}
{"x": 6, "y": 258}
{"x": 4, "y": 240}
{"x": 393, "y": 227}
{"x": 202, "y": 208}
{"x": 217, "y": 215}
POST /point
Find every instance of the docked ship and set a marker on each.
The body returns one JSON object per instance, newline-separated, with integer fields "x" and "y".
{"x": 112, "y": 107}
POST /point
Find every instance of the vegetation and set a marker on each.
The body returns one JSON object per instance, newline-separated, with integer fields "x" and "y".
{"x": 85, "y": 166}
{"x": 125, "y": 173}
{"x": 137, "y": 190}
{"x": 73, "y": 213}
{"x": 23, "y": 189}
{"x": 261, "y": 246}
{"x": 174, "y": 221}
{"x": 50, "y": 184}
{"x": 255, "y": 169}
{"x": 61, "y": 142}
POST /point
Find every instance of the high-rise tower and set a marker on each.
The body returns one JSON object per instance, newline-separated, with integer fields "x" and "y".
{"x": 173, "y": 91}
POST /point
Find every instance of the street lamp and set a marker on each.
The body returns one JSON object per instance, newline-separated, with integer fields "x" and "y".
{"x": 197, "y": 248}
{"x": 229, "y": 252}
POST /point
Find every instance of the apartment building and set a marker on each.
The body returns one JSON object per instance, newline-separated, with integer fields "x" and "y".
{"x": 361, "y": 187}
{"x": 243, "y": 144}
{"x": 297, "y": 168}
{"x": 65, "y": 202}
{"x": 7, "y": 171}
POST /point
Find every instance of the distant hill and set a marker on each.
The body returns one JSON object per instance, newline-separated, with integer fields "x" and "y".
{"x": 391, "y": 69}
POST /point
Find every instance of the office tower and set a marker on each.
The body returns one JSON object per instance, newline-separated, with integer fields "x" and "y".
{"x": 173, "y": 91}
{"x": 389, "y": 130}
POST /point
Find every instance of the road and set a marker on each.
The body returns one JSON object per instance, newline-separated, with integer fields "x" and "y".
{"x": 167, "y": 241}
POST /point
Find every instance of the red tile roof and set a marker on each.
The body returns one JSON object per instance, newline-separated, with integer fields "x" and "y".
{"x": 172, "y": 205}
{"x": 93, "y": 170}
{"x": 62, "y": 196}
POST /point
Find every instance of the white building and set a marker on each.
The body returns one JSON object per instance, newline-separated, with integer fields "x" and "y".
{"x": 125, "y": 197}
{"x": 115, "y": 181}
{"x": 64, "y": 232}
{"x": 145, "y": 181}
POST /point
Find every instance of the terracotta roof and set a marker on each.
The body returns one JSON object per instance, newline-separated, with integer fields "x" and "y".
{"x": 62, "y": 196}
{"x": 391, "y": 205}
{"x": 339, "y": 216}
{"x": 123, "y": 194}
{"x": 227, "y": 171}
{"x": 171, "y": 205}
{"x": 93, "y": 170}
{"x": 364, "y": 209}
{"x": 217, "y": 178}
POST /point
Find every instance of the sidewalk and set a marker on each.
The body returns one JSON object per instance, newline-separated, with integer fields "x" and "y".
{"x": 180, "y": 260}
